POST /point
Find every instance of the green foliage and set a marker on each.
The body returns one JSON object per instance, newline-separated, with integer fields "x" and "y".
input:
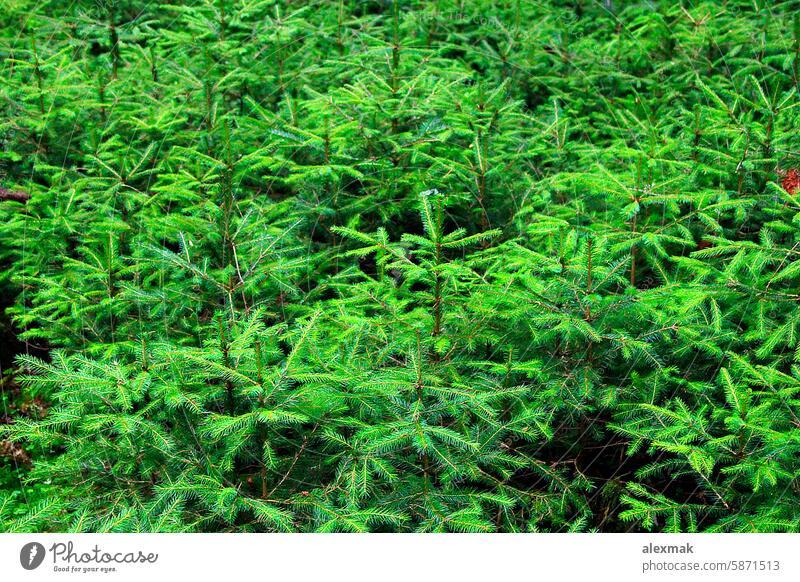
{"x": 400, "y": 266}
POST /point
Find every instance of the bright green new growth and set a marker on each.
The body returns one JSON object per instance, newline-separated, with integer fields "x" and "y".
{"x": 401, "y": 266}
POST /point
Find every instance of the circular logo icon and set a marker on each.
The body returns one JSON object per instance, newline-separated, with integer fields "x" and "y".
{"x": 31, "y": 555}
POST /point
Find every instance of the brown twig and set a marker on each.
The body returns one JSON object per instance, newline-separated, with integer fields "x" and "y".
{"x": 14, "y": 195}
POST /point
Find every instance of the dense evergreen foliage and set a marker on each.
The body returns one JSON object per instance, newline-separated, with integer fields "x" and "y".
{"x": 352, "y": 265}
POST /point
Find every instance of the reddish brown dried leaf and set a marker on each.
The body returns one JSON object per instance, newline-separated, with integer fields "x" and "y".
{"x": 791, "y": 182}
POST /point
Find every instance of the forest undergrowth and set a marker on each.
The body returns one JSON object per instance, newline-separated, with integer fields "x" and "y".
{"x": 399, "y": 266}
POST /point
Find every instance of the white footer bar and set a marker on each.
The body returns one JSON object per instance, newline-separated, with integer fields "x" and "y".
{"x": 407, "y": 558}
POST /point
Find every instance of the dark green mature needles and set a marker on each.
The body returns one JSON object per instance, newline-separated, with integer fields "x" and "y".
{"x": 399, "y": 266}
